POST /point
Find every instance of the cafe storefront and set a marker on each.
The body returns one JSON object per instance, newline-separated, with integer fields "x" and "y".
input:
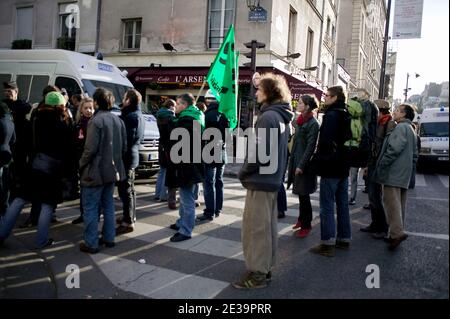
{"x": 157, "y": 84}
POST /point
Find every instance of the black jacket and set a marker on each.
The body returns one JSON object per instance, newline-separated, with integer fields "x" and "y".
{"x": 164, "y": 118}
{"x": 331, "y": 157}
{"x": 215, "y": 119}
{"x": 53, "y": 136}
{"x": 135, "y": 126}
{"x": 185, "y": 174}
{"x": 19, "y": 110}
{"x": 7, "y": 139}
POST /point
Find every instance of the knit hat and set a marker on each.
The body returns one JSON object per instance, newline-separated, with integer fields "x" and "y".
{"x": 55, "y": 98}
{"x": 382, "y": 104}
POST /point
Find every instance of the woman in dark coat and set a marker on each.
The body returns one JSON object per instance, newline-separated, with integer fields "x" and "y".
{"x": 300, "y": 173}
{"x": 52, "y": 129}
{"x": 7, "y": 139}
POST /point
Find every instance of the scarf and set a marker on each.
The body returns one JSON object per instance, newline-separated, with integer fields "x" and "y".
{"x": 384, "y": 119}
{"x": 302, "y": 119}
{"x": 195, "y": 113}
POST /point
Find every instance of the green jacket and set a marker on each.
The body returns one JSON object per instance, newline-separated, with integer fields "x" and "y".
{"x": 397, "y": 157}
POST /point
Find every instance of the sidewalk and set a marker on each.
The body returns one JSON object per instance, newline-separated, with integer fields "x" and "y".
{"x": 24, "y": 274}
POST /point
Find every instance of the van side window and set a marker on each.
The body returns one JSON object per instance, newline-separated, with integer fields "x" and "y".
{"x": 24, "y": 83}
{"x": 4, "y": 78}
{"x": 37, "y": 85}
{"x": 69, "y": 84}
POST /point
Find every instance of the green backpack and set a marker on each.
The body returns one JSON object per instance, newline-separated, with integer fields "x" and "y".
{"x": 358, "y": 146}
{"x": 356, "y": 124}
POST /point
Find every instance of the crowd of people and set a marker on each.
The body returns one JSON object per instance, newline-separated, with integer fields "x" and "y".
{"x": 56, "y": 147}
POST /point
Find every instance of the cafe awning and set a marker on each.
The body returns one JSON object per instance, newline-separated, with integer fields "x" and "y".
{"x": 196, "y": 75}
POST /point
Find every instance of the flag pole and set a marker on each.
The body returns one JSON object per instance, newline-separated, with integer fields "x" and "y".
{"x": 200, "y": 92}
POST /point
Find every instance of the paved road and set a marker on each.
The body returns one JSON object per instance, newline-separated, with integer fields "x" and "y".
{"x": 145, "y": 264}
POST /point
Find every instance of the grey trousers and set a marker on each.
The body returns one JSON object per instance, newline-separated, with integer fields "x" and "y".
{"x": 394, "y": 199}
{"x": 260, "y": 231}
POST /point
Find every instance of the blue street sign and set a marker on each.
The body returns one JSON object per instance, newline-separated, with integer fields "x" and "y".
{"x": 258, "y": 15}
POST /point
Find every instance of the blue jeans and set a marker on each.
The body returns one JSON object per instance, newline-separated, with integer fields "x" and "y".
{"x": 13, "y": 212}
{"x": 334, "y": 190}
{"x": 160, "y": 188}
{"x": 186, "y": 222}
{"x": 213, "y": 189}
{"x": 93, "y": 199}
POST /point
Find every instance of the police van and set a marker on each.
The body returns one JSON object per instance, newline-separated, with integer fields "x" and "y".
{"x": 433, "y": 133}
{"x": 78, "y": 73}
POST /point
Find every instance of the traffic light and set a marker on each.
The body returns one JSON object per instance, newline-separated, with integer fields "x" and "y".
{"x": 253, "y": 45}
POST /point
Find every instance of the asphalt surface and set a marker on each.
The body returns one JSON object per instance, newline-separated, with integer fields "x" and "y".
{"x": 144, "y": 264}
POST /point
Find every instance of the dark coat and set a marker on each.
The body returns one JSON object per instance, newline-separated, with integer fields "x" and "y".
{"x": 331, "y": 157}
{"x": 184, "y": 174}
{"x": 135, "y": 126}
{"x": 7, "y": 139}
{"x": 215, "y": 119}
{"x": 304, "y": 145}
{"x": 106, "y": 144}
{"x": 19, "y": 110}
{"x": 164, "y": 118}
{"x": 52, "y": 135}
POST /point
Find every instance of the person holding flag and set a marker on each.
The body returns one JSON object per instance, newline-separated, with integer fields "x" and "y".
{"x": 213, "y": 184}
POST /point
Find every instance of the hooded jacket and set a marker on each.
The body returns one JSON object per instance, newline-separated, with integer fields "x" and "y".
{"x": 253, "y": 175}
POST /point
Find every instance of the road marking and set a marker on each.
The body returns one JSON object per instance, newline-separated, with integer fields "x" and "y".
{"x": 428, "y": 198}
{"x": 420, "y": 180}
{"x": 426, "y": 235}
{"x": 444, "y": 180}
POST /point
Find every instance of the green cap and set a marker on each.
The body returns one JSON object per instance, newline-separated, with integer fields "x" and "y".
{"x": 55, "y": 98}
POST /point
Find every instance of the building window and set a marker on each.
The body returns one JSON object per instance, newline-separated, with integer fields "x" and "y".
{"x": 328, "y": 26}
{"x": 67, "y": 26}
{"x": 65, "y": 15}
{"x": 330, "y": 78}
{"x": 24, "y": 23}
{"x": 221, "y": 16}
{"x": 131, "y": 38}
{"x": 309, "y": 48}
{"x": 292, "y": 31}
{"x": 333, "y": 33}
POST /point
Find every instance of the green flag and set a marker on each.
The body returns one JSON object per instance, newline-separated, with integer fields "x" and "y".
{"x": 223, "y": 77}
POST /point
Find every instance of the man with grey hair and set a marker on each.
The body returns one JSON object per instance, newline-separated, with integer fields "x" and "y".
{"x": 394, "y": 169}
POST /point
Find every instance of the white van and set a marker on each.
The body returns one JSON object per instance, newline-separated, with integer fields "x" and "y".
{"x": 433, "y": 132}
{"x": 78, "y": 73}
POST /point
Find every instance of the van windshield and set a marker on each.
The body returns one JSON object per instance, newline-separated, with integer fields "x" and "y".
{"x": 118, "y": 90}
{"x": 436, "y": 129}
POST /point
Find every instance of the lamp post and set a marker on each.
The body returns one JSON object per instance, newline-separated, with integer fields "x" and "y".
{"x": 252, "y": 4}
{"x": 407, "y": 84}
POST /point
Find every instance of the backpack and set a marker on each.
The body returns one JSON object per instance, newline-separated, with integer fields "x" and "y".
{"x": 358, "y": 146}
